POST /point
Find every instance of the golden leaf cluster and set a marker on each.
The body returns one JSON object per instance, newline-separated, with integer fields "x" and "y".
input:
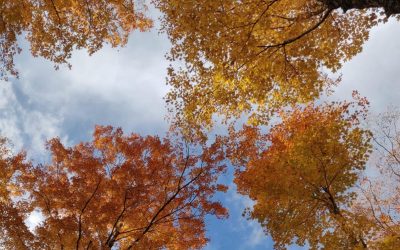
{"x": 54, "y": 28}
{"x": 301, "y": 173}
{"x": 255, "y": 57}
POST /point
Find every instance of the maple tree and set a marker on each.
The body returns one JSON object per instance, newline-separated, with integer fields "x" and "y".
{"x": 14, "y": 234}
{"x": 301, "y": 174}
{"x": 123, "y": 191}
{"x": 257, "y": 56}
{"x": 54, "y": 28}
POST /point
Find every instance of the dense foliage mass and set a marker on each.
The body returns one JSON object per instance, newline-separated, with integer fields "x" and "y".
{"x": 257, "y": 56}
{"x": 54, "y": 28}
{"x": 301, "y": 173}
{"x": 14, "y": 234}
{"x": 123, "y": 191}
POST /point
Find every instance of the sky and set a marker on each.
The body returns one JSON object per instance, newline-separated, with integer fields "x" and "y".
{"x": 125, "y": 88}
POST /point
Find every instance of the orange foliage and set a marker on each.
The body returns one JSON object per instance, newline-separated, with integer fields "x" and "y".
{"x": 301, "y": 173}
{"x": 55, "y": 27}
{"x": 14, "y": 234}
{"x": 124, "y": 191}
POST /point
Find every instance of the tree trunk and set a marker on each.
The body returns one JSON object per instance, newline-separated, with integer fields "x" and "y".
{"x": 391, "y": 7}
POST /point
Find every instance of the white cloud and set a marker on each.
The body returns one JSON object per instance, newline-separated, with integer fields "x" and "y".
{"x": 375, "y": 72}
{"x": 120, "y": 87}
{"x": 26, "y": 128}
{"x": 255, "y": 235}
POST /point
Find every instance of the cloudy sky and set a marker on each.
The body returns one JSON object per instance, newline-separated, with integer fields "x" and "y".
{"x": 125, "y": 88}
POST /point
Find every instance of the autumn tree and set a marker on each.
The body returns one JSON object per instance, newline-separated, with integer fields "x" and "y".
{"x": 256, "y": 56}
{"x": 301, "y": 176}
{"x": 54, "y": 28}
{"x": 14, "y": 234}
{"x": 124, "y": 192}
{"x": 380, "y": 191}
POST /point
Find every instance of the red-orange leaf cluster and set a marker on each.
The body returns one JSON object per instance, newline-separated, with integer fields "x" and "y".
{"x": 124, "y": 191}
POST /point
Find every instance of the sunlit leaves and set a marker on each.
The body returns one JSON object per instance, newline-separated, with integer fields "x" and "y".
{"x": 55, "y": 28}
{"x": 124, "y": 191}
{"x": 256, "y": 56}
{"x": 301, "y": 173}
{"x": 14, "y": 234}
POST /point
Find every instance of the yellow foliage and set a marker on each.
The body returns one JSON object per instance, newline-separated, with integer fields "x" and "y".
{"x": 301, "y": 173}
{"x": 55, "y": 28}
{"x": 256, "y": 56}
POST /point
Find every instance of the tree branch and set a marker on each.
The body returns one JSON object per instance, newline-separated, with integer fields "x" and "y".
{"x": 291, "y": 40}
{"x": 162, "y": 208}
{"x": 80, "y": 215}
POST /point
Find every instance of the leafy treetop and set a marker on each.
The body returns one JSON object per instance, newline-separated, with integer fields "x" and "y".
{"x": 55, "y": 27}
{"x": 301, "y": 176}
{"x": 257, "y": 56}
{"x": 121, "y": 192}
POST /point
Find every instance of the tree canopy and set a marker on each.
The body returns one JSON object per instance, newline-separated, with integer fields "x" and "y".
{"x": 264, "y": 59}
{"x": 54, "y": 28}
{"x": 301, "y": 174}
{"x": 255, "y": 56}
{"x": 14, "y": 233}
{"x": 124, "y": 191}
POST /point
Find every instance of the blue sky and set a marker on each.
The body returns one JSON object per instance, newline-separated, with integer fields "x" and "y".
{"x": 125, "y": 88}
